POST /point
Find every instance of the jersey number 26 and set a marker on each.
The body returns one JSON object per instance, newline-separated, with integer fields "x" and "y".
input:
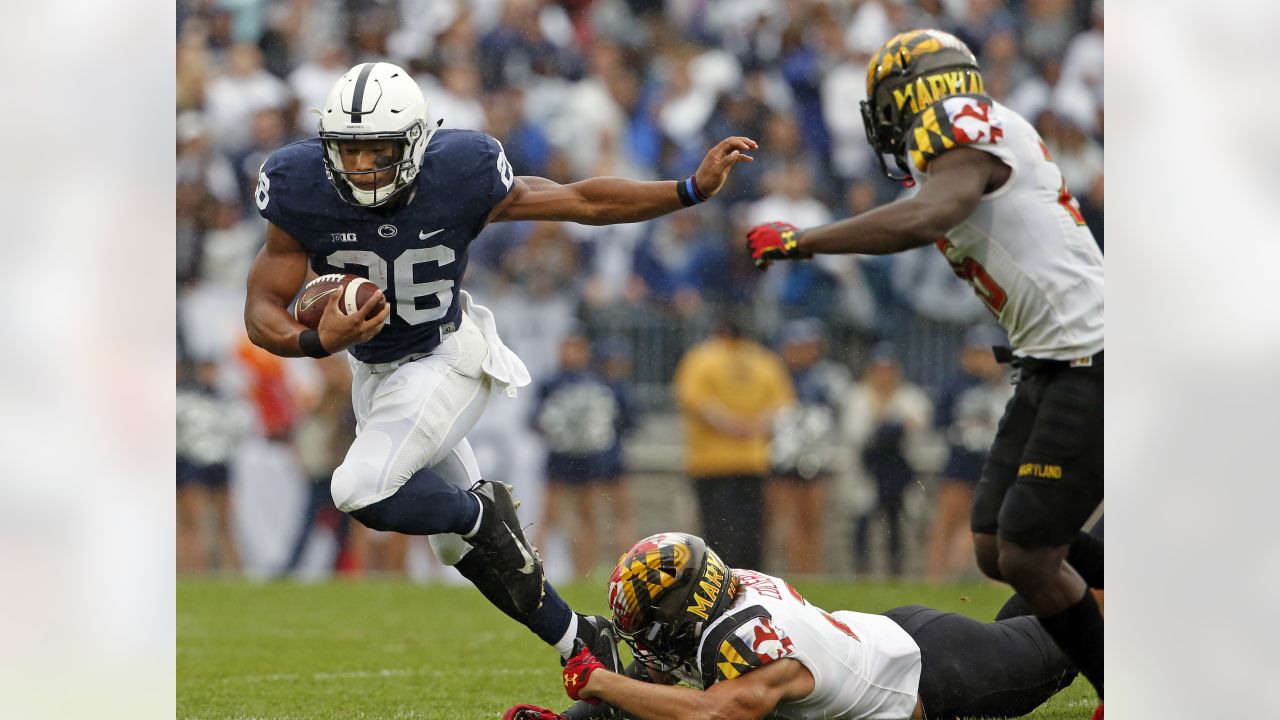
{"x": 400, "y": 272}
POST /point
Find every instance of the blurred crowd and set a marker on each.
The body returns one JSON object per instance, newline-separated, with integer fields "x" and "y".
{"x": 636, "y": 88}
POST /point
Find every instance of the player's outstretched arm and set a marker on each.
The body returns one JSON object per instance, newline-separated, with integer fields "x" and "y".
{"x": 610, "y": 200}
{"x": 750, "y": 696}
{"x": 274, "y": 278}
{"x": 957, "y": 181}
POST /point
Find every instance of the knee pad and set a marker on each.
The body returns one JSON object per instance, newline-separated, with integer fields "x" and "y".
{"x": 362, "y": 478}
{"x": 449, "y": 548}
{"x": 342, "y": 487}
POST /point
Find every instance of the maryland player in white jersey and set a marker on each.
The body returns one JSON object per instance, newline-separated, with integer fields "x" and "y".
{"x": 747, "y": 645}
{"x": 992, "y": 201}
{"x": 1025, "y": 247}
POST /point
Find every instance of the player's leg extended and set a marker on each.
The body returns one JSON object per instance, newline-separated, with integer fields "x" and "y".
{"x": 974, "y": 669}
{"x": 552, "y": 620}
{"x": 1059, "y": 485}
{"x": 410, "y": 419}
{"x": 404, "y": 415}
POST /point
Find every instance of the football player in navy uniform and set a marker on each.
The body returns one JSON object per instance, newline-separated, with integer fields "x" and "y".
{"x": 996, "y": 206}
{"x": 381, "y": 195}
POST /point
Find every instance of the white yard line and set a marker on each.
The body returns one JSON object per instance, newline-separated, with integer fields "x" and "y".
{"x": 380, "y": 673}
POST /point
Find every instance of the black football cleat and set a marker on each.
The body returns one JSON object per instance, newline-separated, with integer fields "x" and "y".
{"x": 504, "y": 545}
{"x": 596, "y": 632}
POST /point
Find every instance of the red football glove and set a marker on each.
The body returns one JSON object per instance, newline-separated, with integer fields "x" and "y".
{"x": 531, "y": 712}
{"x": 578, "y": 669}
{"x": 774, "y": 241}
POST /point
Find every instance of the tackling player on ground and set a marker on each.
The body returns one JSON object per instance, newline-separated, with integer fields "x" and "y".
{"x": 382, "y": 195}
{"x": 994, "y": 204}
{"x": 751, "y": 646}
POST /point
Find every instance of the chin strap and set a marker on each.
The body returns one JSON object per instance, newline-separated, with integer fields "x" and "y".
{"x": 369, "y": 197}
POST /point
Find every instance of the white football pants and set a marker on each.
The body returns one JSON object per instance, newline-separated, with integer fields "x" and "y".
{"x": 412, "y": 415}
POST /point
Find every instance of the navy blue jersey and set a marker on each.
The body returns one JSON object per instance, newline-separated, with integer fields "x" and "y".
{"x": 415, "y": 251}
{"x": 582, "y": 417}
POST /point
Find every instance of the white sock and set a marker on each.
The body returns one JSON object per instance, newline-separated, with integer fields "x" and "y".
{"x": 479, "y": 516}
{"x": 565, "y": 643}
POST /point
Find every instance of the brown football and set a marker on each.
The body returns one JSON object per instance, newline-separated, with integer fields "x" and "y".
{"x": 352, "y": 292}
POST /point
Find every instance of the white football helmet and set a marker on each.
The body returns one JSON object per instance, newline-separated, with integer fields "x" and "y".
{"x": 375, "y": 101}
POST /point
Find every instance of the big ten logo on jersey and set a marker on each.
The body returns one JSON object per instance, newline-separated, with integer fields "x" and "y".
{"x": 762, "y": 584}
{"x": 769, "y": 643}
{"x": 972, "y": 272}
{"x": 343, "y": 237}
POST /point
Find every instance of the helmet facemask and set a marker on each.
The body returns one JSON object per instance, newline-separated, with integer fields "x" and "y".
{"x": 407, "y": 142}
{"x": 663, "y": 647}
{"x": 886, "y": 138}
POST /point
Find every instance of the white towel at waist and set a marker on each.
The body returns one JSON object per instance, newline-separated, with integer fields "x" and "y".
{"x": 502, "y": 364}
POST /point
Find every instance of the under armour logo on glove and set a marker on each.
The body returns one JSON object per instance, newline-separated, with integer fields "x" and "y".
{"x": 577, "y": 671}
{"x": 531, "y": 712}
{"x": 774, "y": 241}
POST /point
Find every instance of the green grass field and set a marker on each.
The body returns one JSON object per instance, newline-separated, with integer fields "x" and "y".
{"x": 389, "y": 649}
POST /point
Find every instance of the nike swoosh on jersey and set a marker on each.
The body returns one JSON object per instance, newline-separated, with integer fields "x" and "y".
{"x": 312, "y": 300}
{"x": 423, "y": 234}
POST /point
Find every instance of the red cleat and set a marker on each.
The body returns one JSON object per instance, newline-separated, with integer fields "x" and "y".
{"x": 1097, "y": 714}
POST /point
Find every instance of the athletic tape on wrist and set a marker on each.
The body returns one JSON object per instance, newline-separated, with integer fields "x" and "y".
{"x": 309, "y": 341}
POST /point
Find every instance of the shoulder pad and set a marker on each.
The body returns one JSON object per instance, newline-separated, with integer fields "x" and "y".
{"x": 472, "y": 166}
{"x": 742, "y": 642}
{"x": 292, "y": 174}
{"x": 952, "y": 122}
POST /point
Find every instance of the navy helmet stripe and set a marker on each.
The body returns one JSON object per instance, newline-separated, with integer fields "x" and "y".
{"x": 357, "y": 99}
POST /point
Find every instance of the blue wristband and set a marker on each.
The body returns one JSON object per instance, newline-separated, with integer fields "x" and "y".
{"x": 692, "y": 188}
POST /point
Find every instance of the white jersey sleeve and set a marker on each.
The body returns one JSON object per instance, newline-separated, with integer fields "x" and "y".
{"x": 749, "y": 643}
{"x": 1025, "y": 249}
{"x": 864, "y": 667}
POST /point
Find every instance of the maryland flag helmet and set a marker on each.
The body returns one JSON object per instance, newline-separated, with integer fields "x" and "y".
{"x": 664, "y": 592}
{"x": 907, "y": 74}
